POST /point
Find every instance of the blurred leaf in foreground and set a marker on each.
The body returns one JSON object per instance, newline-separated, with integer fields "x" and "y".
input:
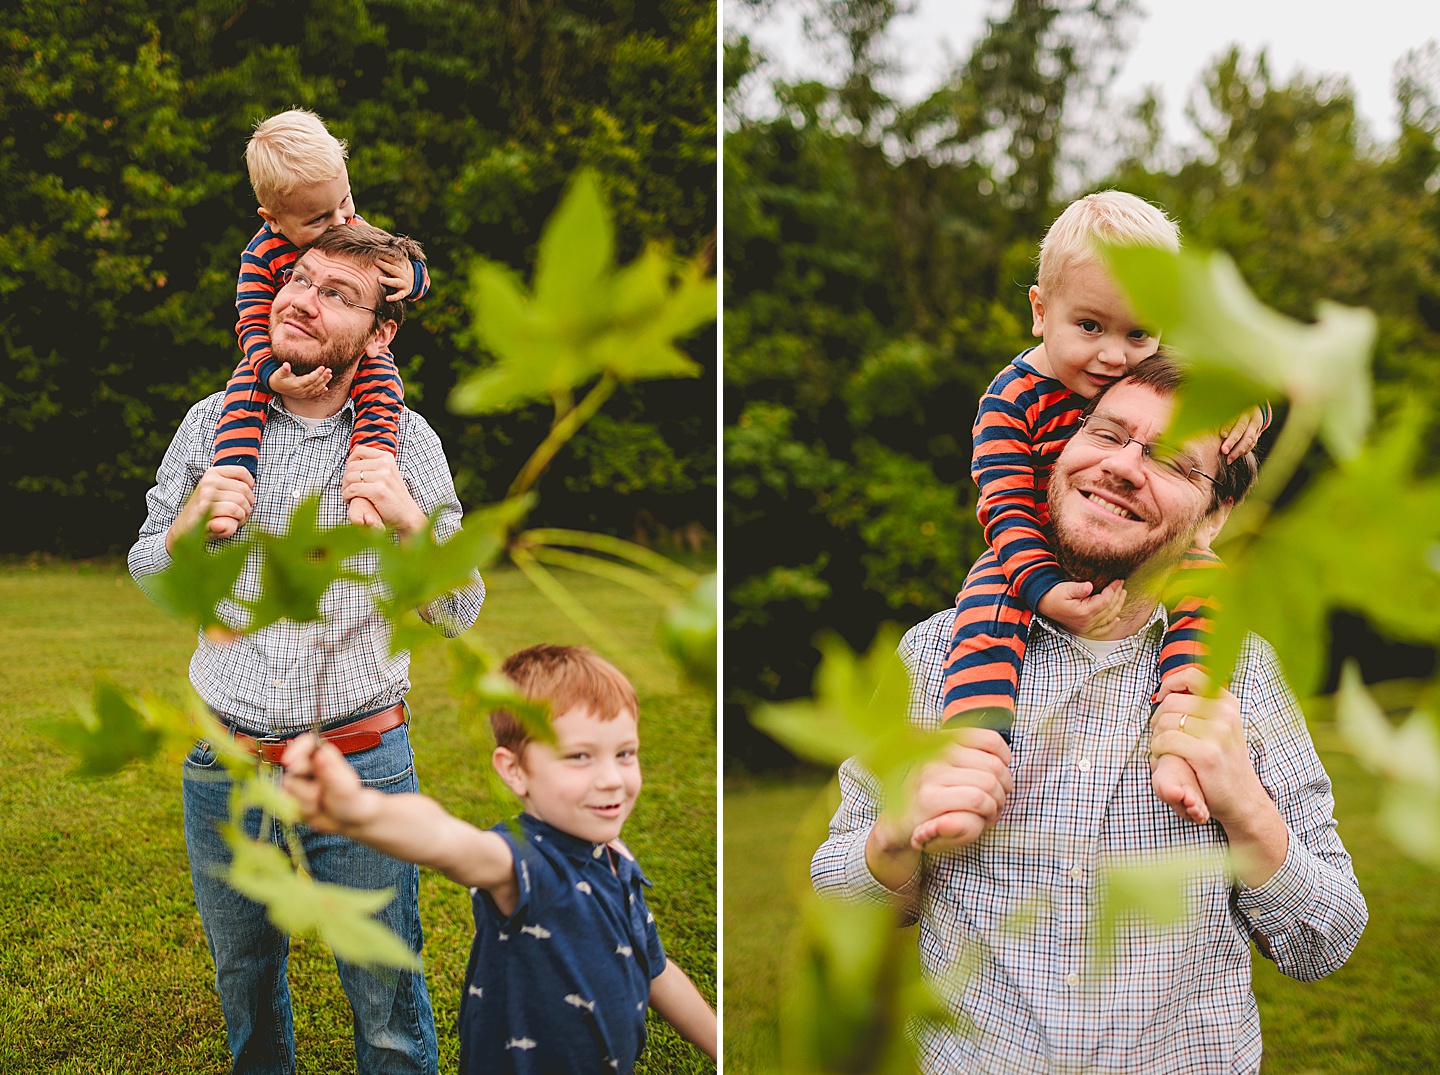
{"x": 689, "y": 633}
{"x": 853, "y": 993}
{"x": 1407, "y": 756}
{"x": 107, "y": 735}
{"x": 585, "y": 318}
{"x": 342, "y": 917}
{"x": 1149, "y": 893}
{"x": 1241, "y": 352}
{"x": 198, "y": 579}
{"x": 858, "y": 710}
{"x": 302, "y": 563}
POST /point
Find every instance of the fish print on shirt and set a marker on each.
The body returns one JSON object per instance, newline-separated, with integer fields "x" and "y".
{"x": 521, "y": 1043}
{"x": 476, "y": 991}
{"x": 540, "y": 933}
{"x": 584, "y": 886}
{"x": 624, "y": 950}
{"x": 578, "y": 1001}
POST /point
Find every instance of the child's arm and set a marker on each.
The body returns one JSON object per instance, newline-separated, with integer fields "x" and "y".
{"x": 254, "y": 295}
{"x": 676, "y": 1000}
{"x": 413, "y": 828}
{"x": 1004, "y": 464}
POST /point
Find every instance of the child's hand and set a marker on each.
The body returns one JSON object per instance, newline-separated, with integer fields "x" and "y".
{"x": 328, "y": 790}
{"x": 362, "y": 512}
{"x": 284, "y": 382}
{"x": 397, "y": 275}
{"x": 1243, "y": 435}
{"x": 1075, "y": 608}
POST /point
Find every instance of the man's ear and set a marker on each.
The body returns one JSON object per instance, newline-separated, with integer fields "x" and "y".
{"x": 507, "y": 764}
{"x": 1210, "y": 525}
{"x": 380, "y": 339}
{"x": 1037, "y": 310}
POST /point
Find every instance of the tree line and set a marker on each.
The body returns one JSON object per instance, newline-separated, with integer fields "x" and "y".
{"x": 124, "y": 206}
{"x": 875, "y": 266}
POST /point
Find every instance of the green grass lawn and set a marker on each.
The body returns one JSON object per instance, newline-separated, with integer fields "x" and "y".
{"x": 102, "y": 959}
{"x": 1378, "y": 1013}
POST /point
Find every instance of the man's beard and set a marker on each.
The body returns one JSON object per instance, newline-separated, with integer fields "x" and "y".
{"x": 340, "y": 354}
{"x": 1158, "y": 553}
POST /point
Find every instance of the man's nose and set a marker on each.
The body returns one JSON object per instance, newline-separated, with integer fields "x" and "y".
{"x": 1127, "y": 463}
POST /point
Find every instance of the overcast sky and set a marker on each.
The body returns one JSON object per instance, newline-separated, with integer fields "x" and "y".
{"x": 1172, "y": 42}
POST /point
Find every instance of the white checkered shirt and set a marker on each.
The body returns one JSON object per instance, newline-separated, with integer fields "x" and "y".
{"x": 273, "y": 682}
{"x": 1176, "y": 1000}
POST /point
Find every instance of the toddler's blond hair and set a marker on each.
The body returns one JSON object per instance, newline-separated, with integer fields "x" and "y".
{"x": 289, "y": 150}
{"x": 1110, "y": 216}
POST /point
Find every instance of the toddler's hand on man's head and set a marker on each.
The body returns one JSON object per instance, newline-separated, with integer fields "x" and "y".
{"x": 397, "y": 277}
{"x": 1243, "y": 435}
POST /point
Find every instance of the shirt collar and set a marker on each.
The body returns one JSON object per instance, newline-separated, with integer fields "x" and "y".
{"x": 1156, "y": 623}
{"x": 578, "y": 850}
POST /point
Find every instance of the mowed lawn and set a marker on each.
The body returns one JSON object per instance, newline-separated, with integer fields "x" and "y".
{"x": 1380, "y": 1013}
{"x": 102, "y": 959}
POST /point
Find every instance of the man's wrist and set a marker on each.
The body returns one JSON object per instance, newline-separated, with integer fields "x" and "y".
{"x": 889, "y": 856}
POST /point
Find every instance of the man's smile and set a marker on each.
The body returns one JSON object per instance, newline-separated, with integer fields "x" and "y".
{"x": 1111, "y": 504}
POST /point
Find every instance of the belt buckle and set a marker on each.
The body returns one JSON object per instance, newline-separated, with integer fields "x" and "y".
{"x": 269, "y": 741}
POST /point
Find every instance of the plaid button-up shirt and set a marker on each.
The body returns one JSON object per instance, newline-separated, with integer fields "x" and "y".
{"x": 278, "y": 680}
{"x": 1176, "y": 999}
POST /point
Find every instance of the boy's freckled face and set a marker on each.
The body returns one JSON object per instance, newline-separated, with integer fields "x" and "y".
{"x": 1090, "y": 333}
{"x": 307, "y": 212}
{"x": 586, "y": 783}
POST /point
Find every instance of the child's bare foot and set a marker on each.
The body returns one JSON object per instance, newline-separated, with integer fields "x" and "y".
{"x": 1175, "y": 783}
{"x": 221, "y": 527}
{"x": 363, "y": 513}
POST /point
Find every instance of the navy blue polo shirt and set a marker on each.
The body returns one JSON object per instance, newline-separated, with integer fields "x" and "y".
{"x": 562, "y": 984}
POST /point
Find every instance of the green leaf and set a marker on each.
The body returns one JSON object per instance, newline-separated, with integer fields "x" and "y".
{"x": 1149, "y": 892}
{"x": 417, "y": 570}
{"x": 689, "y": 633}
{"x": 576, "y": 249}
{"x": 107, "y": 735}
{"x": 853, "y": 989}
{"x": 296, "y": 903}
{"x": 1240, "y": 350}
{"x": 301, "y": 564}
{"x": 199, "y": 578}
{"x": 858, "y": 710}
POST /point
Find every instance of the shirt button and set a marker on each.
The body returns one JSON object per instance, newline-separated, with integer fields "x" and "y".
{"x": 277, "y": 683}
{"x": 1083, "y": 765}
{"x": 1076, "y": 872}
{"x": 295, "y": 494}
{"x": 1072, "y": 979}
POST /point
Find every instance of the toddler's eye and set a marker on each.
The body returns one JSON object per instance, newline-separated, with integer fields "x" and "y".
{"x": 1139, "y": 334}
{"x": 1090, "y": 326}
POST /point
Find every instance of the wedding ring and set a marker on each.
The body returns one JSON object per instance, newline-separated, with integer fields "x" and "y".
{"x": 1182, "y": 720}
{"x": 362, "y": 475}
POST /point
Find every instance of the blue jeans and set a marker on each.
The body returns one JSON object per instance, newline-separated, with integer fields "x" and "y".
{"x": 394, "y": 1024}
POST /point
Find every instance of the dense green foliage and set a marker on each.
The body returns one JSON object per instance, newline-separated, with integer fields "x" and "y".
{"x": 876, "y": 260}
{"x": 124, "y": 207}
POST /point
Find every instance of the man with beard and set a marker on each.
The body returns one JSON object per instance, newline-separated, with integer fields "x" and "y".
{"x": 279, "y": 682}
{"x": 1001, "y": 850}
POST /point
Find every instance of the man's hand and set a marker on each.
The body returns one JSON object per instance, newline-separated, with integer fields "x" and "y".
{"x": 1074, "y": 607}
{"x": 373, "y": 474}
{"x": 226, "y": 495}
{"x": 1209, "y": 733}
{"x": 398, "y": 276}
{"x": 951, "y": 801}
{"x": 1243, "y": 435}
{"x": 284, "y": 382}
{"x": 329, "y": 791}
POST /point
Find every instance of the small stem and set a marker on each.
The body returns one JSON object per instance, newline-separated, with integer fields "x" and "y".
{"x": 1284, "y": 459}
{"x": 675, "y": 573}
{"x": 560, "y": 432}
{"x": 623, "y": 574}
{"x": 562, "y": 598}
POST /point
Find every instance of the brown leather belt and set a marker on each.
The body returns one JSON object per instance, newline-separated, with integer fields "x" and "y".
{"x": 363, "y": 733}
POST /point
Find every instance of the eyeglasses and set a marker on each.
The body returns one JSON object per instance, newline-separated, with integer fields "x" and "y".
{"x": 328, "y": 295}
{"x": 1106, "y": 434}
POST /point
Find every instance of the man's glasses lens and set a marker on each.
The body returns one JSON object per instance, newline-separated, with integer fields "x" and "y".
{"x": 1113, "y": 437}
{"x": 328, "y": 295}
